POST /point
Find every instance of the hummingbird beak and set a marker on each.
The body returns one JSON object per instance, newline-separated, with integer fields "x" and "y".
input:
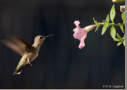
{"x": 50, "y": 35}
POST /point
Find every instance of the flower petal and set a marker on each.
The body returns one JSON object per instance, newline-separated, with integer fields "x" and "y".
{"x": 82, "y": 44}
{"x": 79, "y": 33}
{"x": 76, "y": 23}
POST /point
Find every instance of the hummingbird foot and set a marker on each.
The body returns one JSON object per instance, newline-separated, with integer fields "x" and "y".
{"x": 30, "y": 64}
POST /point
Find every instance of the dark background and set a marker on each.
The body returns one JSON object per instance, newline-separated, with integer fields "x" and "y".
{"x": 61, "y": 64}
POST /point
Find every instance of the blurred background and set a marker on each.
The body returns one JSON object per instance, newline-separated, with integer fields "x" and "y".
{"x": 60, "y": 63}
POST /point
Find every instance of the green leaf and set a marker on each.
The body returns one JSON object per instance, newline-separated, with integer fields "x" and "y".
{"x": 97, "y": 27}
{"x": 104, "y": 29}
{"x": 122, "y": 28}
{"x": 107, "y": 19}
{"x": 116, "y": 39}
{"x": 123, "y": 16}
{"x": 119, "y": 43}
{"x": 112, "y": 13}
{"x": 103, "y": 21}
{"x": 113, "y": 32}
{"x": 118, "y": 0}
{"x": 124, "y": 36}
{"x": 118, "y": 36}
{"x": 124, "y": 42}
{"x": 95, "y": 21}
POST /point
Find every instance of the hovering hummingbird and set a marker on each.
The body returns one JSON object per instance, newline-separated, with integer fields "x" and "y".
{"x": 27, "y": 51}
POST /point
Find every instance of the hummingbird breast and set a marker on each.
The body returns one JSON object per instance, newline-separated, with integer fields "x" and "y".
{"x": 33, "y": 56}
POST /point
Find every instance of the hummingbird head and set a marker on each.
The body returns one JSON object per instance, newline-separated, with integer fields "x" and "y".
{"x": 39, "y": 39}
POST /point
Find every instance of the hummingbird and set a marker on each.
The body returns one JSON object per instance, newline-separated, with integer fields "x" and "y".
{"x": 27, "y": 51}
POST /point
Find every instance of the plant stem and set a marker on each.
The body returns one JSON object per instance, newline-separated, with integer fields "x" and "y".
{"x": 113, "y": 24}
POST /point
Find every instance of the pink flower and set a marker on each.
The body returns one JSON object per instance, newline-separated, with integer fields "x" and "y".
{"x": 81, "y": 33}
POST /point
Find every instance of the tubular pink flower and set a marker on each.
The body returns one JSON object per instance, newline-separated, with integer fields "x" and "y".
{"x": 81, "y": 33}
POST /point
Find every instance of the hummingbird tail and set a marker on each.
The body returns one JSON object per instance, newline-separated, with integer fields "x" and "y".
{"x": 14, "y": 73}
{"x": 17, "y": 72}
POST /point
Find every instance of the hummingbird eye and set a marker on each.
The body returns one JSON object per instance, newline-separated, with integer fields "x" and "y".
{"x": 41, "y": 37}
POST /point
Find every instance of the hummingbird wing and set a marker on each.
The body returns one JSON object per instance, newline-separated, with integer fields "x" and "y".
{"x": 13, "y": 46}
{"x": 17, "y": 44}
